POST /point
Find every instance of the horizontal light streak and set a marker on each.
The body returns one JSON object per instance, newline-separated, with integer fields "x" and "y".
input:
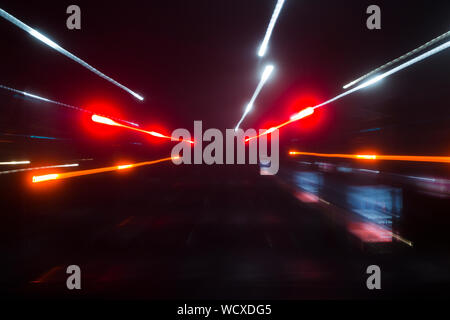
{"x": 66, "y": 175}
{"x": 375, "y": 157}
{"x": 45, "y": 177}
{"x": 9, "y": 163}
{"x": 126, "y": 166}
{"x": 40, "y": 168}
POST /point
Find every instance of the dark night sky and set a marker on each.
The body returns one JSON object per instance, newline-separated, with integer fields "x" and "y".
{"x": 196, "y": 60}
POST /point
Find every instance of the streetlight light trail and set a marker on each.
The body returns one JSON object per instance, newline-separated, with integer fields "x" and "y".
{"x": 263, "y": 48}
{"x": 367, "y": 83}
{"x": 265, "y": 76}
{"x": 388, "y": 64}
{"x": 63, "y": 51}
{"x": 34, "y": 96}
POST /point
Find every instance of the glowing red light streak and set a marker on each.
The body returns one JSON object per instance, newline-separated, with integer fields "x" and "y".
{"x": 380, "y": 77}
{"x": 107, "y": 121}
{"x": 302, "y": 114}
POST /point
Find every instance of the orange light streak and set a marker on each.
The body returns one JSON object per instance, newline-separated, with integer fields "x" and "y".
{"x": 107, "y": 121}
{"x": 375, "y": 157}
{"x": 366, "y": 156}
{"x": 66, "y": 175}
{"x": 45, "y": 177}
{"x": 126, "y": 166}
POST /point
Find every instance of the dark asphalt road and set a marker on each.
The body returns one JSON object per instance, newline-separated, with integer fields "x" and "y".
{"x": 193, "y": 232}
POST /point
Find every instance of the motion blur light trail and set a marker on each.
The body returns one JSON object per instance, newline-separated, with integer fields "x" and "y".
{"x": 66, "y": 175}
{"x": 406, "y": 55}
{"x": 59, "y": 103}
{"x": 265, "y": 76}
{"x": 375, "y": 157}
{"x": 107, "y": 121}
{"x": 31, "y": 136}
{"x": 263, "y": 48}
{"x": 9, "y": 163}
{"x": 40, "y": 168}
{"x": 95, "y": 117}
{"x": 63, "y": 51}
{"x": 369, "y": 82}
{"x": 302, "y": 114}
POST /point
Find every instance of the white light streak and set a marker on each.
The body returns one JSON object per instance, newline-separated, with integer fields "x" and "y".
{"x": 35, "y": 96}
{"x": 249, "y": 108}
{"x": 103, "y": 120}
{"x": 372, "y": 81}
{"x": 263, "y": 48}
{"x": 59, "y": 103}
{"x": 302, "y": 114}
{"x": 397, "y": 60}
{"x": 156, "y": 134}
{"x": 369, "y": 171}
{"x": 44, "y": 39}
{"x": 63, "y": 51}
{"x": 265, "y": 76}
{"x": 388, "y": 73}
{"x": 8, "y": 163}
{"x": 41, "y": 168}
